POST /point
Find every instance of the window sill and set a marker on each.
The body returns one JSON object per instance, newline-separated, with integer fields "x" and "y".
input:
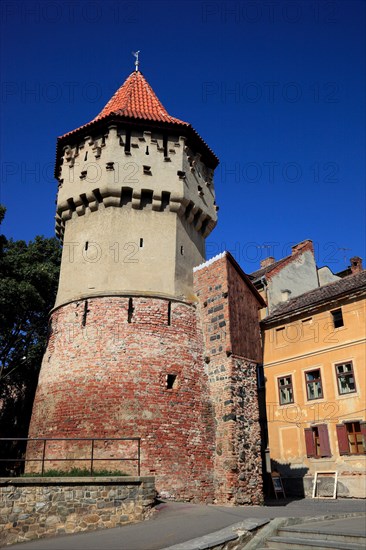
{"x": 321, "y": 459}
{"x": 349, "y": 394}
{"x": 354, "y": 457}
{"x": 316, "y": 400}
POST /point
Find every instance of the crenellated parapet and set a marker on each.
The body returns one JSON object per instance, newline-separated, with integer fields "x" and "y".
{"x": 135, "y": 169}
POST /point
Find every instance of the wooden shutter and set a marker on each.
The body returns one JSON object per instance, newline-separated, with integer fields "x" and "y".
{"x": 363, "y": 432}
{"x": 324, "y": 440}
{"x": 309, "y": 442}
{"x": 342, "y": 437}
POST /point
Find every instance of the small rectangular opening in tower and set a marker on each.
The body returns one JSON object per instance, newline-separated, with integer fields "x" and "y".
{"x": 98, "y": 196}
{"x": 188, "y": 210}
{"x": 165, "y": 145}
{"x": 197, "y": 216}
{"x": 84, "y": 199}
{"x": 141, "y": 243}
{"x": 128, "y": 142}
{"x": 169, "y": 313}
{"x": 126, "y": 195}
{"x": 85, "y": 313}
{"x": 86, "y": 245}
{"x": 146, "y": 197}
{"x": 130, "y": 310}
{"x": 171, "y": 382}
{"x": 182, "y": 250}
{"x": 71, "y": 204}
{"x": 165, "y": 200}
{"x": 204, "y": 226}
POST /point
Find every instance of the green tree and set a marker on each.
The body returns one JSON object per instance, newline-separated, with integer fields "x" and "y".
{"x": 28, "y": 284}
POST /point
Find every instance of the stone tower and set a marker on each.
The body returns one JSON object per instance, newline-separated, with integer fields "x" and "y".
{"x": 125, "y": 352}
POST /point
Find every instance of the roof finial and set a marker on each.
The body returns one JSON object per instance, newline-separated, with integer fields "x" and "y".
{"x": 136, "y": 54}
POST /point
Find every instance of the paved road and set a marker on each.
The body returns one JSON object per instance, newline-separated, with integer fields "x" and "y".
{"x": 177, "y": 522}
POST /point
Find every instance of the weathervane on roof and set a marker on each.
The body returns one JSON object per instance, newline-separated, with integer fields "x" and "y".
{"x": 136, "y": 54}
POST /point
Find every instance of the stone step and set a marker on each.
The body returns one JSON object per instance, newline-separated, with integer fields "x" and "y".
{"x": 298, "y": 543}
{"x": 300, "y": 532}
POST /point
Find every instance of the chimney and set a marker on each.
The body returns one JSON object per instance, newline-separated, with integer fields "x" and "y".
{"x": 356, "y": 265}
{"x": 268, "y": 261}
{"x": 301, "y": 246}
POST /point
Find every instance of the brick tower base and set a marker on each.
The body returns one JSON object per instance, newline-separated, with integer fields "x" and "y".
{"x": 128, "y": 367}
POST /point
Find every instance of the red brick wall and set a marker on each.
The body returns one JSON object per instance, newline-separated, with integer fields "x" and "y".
{"x": 244, "y": 317}
{"x": 108, "y": 379}
{"x": 228, "y": 311}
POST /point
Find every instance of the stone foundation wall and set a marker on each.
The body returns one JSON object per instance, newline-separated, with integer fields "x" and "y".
{"x": 39, "y": 507}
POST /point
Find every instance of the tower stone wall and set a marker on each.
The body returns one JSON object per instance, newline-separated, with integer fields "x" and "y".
{"x": 229, "y": 314}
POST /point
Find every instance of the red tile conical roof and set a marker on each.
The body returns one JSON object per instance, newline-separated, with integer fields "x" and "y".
{"x": 136, "y": 99}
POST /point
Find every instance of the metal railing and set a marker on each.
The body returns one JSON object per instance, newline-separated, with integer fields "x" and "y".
{"x": 92, "y": 459}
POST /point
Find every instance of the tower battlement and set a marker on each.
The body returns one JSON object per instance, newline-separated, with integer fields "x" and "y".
{"x": 140, "y": 169}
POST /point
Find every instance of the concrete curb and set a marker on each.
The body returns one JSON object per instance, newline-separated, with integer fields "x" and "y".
{"x": 268, "y": 530}
{"x": 239, "y": 532}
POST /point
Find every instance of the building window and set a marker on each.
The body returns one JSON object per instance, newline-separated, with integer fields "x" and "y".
{"x": 345, "y": 378}
{"x": 351, "y": 438}
{"x": 314, "y": 388}
{"x": 317, "y": 441}
{"x": 285, "y": 390}
{"x": 337, "y": 318}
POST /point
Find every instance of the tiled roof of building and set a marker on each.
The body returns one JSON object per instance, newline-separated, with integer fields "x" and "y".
{"x": 323, "y": 294}
{"x": 136, "y": 99}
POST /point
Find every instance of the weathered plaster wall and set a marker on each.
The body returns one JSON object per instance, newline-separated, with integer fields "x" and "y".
{"x": 326, "y": 276}
{"x": 40, "y": 507}
{"x": 298, "y": 276}
{"x": 110, "y": 199}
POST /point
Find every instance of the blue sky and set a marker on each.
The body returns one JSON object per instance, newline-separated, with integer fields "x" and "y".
{"x": 276, "y": 88}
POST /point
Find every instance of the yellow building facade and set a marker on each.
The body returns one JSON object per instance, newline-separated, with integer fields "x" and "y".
{"x": 315, "y": 380}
